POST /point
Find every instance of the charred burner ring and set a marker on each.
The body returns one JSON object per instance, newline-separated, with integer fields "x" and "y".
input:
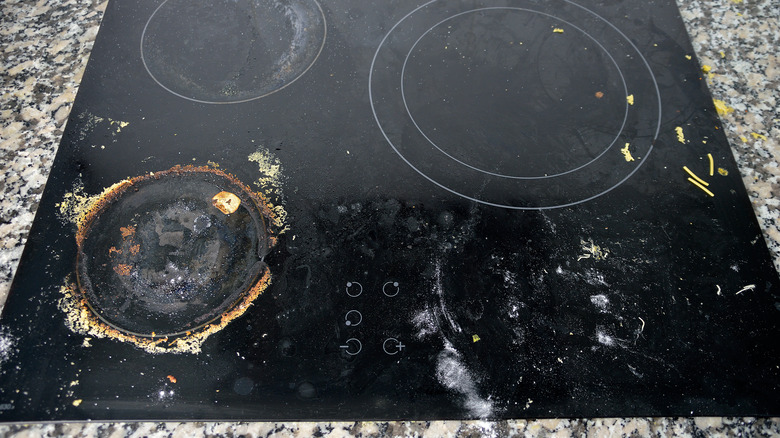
{"x": 157, "y": 257}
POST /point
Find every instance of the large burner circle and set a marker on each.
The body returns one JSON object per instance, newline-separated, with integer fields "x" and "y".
{"x": 228, "y": 51}
{"x": 515, "y": 103}
{"x": 161, "y": 255}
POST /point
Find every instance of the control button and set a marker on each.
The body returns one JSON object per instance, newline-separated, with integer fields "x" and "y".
{"x": 353, "y": 318}
{"x": 354, "y": 289}
{"x": 352, "y": 346}
{"x": 392, "y": 346}
{"x": 391, "y": 288}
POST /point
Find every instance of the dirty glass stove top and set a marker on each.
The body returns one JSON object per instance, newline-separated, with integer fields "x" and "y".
{"x": 397, "y": 210}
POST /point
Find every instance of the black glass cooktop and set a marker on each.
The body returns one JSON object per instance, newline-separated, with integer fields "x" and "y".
{"x": 304, "y": 209}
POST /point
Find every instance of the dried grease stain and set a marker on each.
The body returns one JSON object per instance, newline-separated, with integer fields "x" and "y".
{"x": 82, "y": 209}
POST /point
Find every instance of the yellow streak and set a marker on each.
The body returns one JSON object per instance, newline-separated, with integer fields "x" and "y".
{"x": 701, "y": 181}
{"x": 712, "y": 164}
{"x": 696, "y": 183}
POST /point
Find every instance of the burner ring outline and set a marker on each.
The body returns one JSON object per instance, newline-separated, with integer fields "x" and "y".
{"x": 635, "y": 50}
{"x": 411, "y": 117}
{"x": 260, "y": 96}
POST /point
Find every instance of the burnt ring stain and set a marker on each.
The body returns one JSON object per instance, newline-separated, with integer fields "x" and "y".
{"x": 157, "y": 259}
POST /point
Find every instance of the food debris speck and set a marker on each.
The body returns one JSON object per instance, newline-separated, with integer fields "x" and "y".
{"x": 475, "y": 338}
{"x": 688, "y": 57}
{"x": 226, "y": 202}
{"x": 123, "y": 269}
{"x": 599, "y": 94}
{"x": 722, "y": 171}
{"x": 592, "y": 250}
{"x": 630, "y": 99}
{"x": 627, "y": 153}
{"x": 558, "y": 30}
{"x": 757, "y": 136}
{"x": 127, "y": 231}
{"x": 680, "y": 134}
{"x": 76, "y": 402}
{"x": 721, "y": 107}
{"x": 171, "y": 378}
{"x": 706, "y": 68}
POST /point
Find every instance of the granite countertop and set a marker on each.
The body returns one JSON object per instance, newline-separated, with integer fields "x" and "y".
{"x": 46, "y": 45}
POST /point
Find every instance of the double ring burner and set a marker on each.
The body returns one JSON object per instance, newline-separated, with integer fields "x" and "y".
{"x": 522, "y": 105}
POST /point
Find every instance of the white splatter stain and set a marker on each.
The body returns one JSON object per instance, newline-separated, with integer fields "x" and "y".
{"x": 425, "y": 323}
{"x": 439, "y": 290}
{"x": 510, "y": 279}
{"x": 604, "y": 338}
{"x": 600, "y": 301}
{"x": 7, "y": 343}
{"x": 454, "y": 375}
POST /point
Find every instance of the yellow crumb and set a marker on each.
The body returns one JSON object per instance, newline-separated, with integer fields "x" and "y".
{"x": 722, "y": 54}
{"x": 722, "y": 171}
{"x": 630, "y": 99}
{"x": 687, "y": 56}
{"x": 757, "y": 136}
{"x": 226, "y": 202}
{"x": 76, "y": 402}
{"x": 475, "y": 338}
{"x": 743, "y": 138}
{"x": 680, "y": 134}
{"x": 722, "y": 108}
{"x": 558, "y": 30}
{"x": 706, "y": 68}
{"x": 627, "y": 153}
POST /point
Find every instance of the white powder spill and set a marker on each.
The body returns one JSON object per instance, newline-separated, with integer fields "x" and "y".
{"x": 439, "y": 290}
{"x": 7, "y": 343}
{"x": 594, "y": 278}
{"x": 604, "y": 338}
{"x": 510, "y": 279}
{"x": 600, "y": 301}
{"x": 425, "y": 323}
{"x": 454, "y": 375}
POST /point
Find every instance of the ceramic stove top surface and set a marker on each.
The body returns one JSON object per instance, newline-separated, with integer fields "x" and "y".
{"x": 399, "y": 210}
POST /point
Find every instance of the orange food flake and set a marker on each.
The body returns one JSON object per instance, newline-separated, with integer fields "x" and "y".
{"x": 127, "y": 231}
{"x": 171, "y": 378}
{"x": 123, "y": 269}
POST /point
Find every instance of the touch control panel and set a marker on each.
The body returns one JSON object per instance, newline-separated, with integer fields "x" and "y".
{"x": 361, "y": 332}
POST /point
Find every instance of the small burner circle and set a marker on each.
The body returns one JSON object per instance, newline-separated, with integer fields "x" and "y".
{"x": 228, "y": 51}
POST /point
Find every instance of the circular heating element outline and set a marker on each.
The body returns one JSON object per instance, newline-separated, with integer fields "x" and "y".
{"x": 378, "y": 98}
{"x": 159, "y": 261}
{"x": 433, "y": 143}
{"x": 231, "y": 71}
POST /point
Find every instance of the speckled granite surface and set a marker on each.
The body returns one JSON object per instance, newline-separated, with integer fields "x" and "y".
{"x": 45, "y": 46}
